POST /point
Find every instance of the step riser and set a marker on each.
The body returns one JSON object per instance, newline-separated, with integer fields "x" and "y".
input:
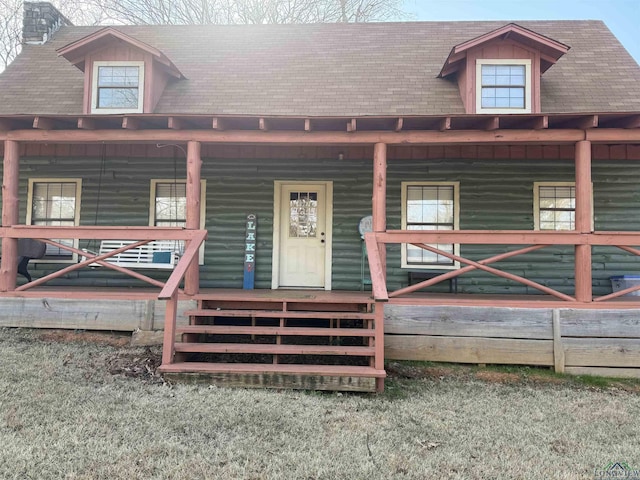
{"x": 275, "y": 331}
{"x": 274, "y": 349}
{"x": 279, "y": 314}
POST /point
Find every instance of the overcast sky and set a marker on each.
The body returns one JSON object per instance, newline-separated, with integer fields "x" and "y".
{"x": 621, "y": 16}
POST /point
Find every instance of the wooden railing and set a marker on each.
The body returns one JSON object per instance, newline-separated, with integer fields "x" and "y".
{"x": 536, "y": 240}
{"x": 139, "y": 236}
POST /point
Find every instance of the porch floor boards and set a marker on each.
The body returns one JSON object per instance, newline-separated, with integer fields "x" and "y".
{"x": 321, "y": 296}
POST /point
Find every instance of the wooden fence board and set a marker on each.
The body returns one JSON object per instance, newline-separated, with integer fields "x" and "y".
{"x": 524, "y": 323}
{"x": 122, "y": 315}
{"x": 605, "y": 372}
{"x": 602, "y": 352}
{"x": 469, "y": 350}
{"x": 600, "y": 323}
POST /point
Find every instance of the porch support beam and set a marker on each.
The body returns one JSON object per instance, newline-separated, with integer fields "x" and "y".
{"x": 194, "y": 164}
{"x": 10, "y": 215}
{"x": 583, "y": 220}
{"x": 379, "y": 199}
{"x": 404, "y": 137}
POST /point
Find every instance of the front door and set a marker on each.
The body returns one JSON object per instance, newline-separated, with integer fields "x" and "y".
{"x": 304, "y": 241}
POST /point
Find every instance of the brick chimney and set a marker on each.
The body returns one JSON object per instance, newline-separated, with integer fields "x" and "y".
{"x": 40, "y": 21}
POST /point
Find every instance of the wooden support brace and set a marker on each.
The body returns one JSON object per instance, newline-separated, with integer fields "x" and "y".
{"x": 378, "y": 280}
{"x": 10, "y": 214}
{"x": 399, "y": 123}
{"x": 193, "y": 187}
{"x": 43, "y": 123}
{"x": 590, "y": 121}
{"x": 499, "y": 273}
{"x": 86, "y": 123}
{"x": 351, "y": 125}
{"x": 455, "y": 273}
{"x": 217, "y": 124}
{"x": 168, "y": 346}
{"x": 492, "y": 123}
{"x": 262, "y": 124}
{"x": 130, "y": 123}
{"x": 558, "y": 347}
{"x": 541, "y": 123}
{"x": 307, "y": 124}
{"x": 99, "y": 259}
{"x": 445, "y": 124}
{"x": 175, "y": 123}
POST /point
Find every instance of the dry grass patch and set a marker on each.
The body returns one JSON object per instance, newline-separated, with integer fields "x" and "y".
{"x": 66, "y": 412}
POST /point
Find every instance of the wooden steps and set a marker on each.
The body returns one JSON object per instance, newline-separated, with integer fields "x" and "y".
{"x": 298, "y": 339}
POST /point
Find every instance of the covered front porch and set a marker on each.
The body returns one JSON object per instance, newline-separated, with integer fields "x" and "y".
{"x": 360, "y": 157}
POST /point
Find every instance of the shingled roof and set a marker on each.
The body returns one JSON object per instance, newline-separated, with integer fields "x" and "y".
{"x": 327, "y": 70}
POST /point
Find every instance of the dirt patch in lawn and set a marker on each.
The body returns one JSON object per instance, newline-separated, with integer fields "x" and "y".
{"x": 141, "y": 365}
{"x": 98, "y": 338}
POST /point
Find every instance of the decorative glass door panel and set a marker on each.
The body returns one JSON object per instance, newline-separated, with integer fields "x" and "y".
{"x": 303, "y": 218}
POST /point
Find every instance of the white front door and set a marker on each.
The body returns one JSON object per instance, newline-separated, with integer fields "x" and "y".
{"x": 303, "y": 240}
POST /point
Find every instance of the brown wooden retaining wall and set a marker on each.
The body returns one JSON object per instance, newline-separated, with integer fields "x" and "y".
{"x": 596, "y": 342}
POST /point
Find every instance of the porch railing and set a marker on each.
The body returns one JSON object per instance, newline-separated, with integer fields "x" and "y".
{"x": 138, "y": 236}
{"x": 535, "y": 240}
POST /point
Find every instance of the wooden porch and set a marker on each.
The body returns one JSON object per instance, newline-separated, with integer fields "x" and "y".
{"x": 274, "y": 313}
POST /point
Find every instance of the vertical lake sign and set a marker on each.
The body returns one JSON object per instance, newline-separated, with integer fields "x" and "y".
{"x": 250, "y": 253}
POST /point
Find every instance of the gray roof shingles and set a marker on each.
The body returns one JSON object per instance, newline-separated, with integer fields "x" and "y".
{"x": 328, "y": 70}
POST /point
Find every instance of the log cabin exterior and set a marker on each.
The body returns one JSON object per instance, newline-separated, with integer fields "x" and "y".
{"x": 502, "y": 156}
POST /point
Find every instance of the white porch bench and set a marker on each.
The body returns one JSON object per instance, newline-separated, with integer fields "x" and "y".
{"x": 158, "y": 254}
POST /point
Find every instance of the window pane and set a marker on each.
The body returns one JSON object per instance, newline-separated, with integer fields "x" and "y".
{"x": 118, "y": 98}
{"x": 510, "y": 83}
{"x": 171, "y": 204}
{"x": 118, "y": 87}
{"x": 429, "y": 207}
{"x": 54, "y": 205}
{"x": 488, "y": 69}
{"x": 557, "y": 207}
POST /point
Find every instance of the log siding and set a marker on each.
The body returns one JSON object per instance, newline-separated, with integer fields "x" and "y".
{"x": 494, "y": 194}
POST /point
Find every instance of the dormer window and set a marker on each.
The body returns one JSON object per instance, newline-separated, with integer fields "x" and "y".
{"x": 118, "y": 87}
{"x": 500, "y": 72}
{"x": 122, "y": 74}
{"x": 503, "y": 86}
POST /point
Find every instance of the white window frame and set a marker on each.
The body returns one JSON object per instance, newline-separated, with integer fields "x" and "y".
{"x": 94, "y": 86}
{"x": 73, "y": 258}
{"x": 527, "y": 86}
{"x": 456, "y": 224}
{"x": 203, "y": 207}
{"x": 536, "y": 203}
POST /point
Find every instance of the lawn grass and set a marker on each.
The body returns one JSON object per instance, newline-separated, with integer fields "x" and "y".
{"x": 93, "y": 410}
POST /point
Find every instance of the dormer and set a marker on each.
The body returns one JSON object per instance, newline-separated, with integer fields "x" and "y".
{"x": 121, "y": 73}
{"x": 499, "y": 72}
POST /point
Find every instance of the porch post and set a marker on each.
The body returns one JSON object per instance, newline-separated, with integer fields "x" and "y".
{"x": 379, "y": 201}
{"x": 583, "y": 220}
{"x": 194, "y": 163}
{"x": 10, "y": 214}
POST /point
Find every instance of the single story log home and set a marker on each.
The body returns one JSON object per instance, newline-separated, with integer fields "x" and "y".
{"x": 294, "y": 204}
